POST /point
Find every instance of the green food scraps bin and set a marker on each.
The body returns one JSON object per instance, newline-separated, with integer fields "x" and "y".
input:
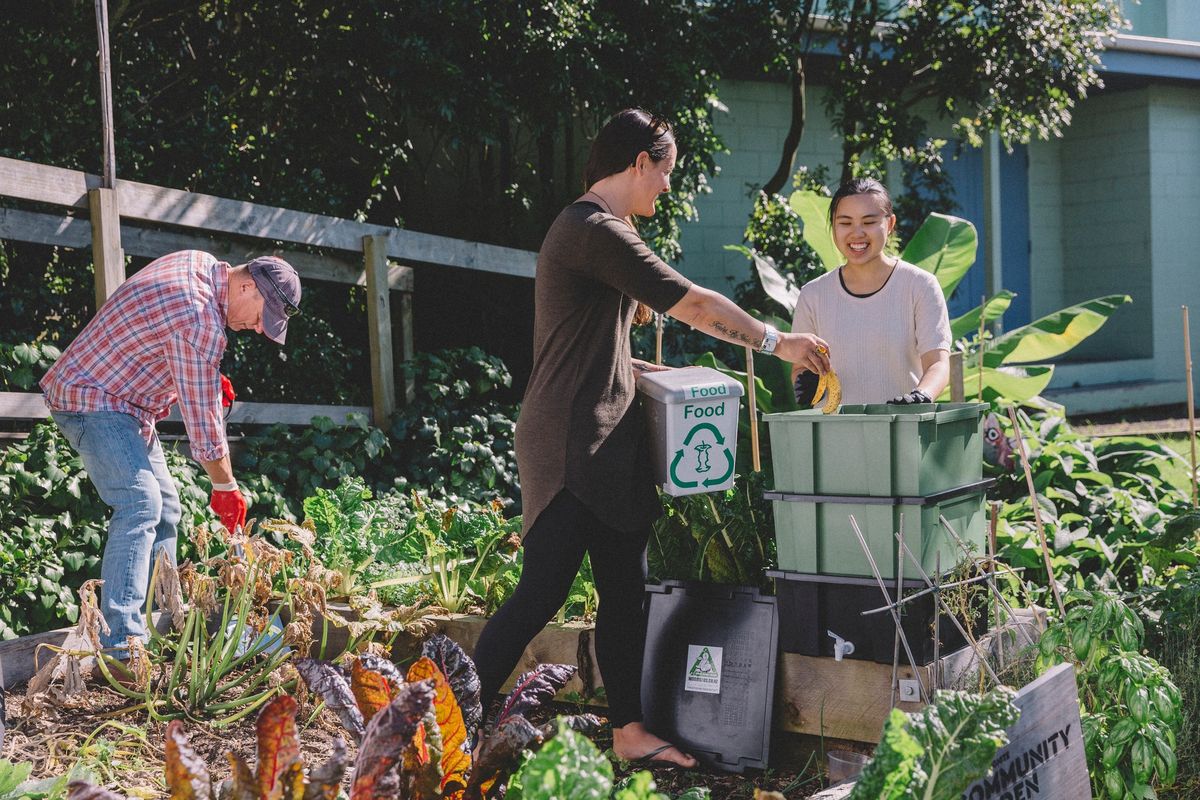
{"x": 878, "y": 450}
{"x": 813, "y": 533}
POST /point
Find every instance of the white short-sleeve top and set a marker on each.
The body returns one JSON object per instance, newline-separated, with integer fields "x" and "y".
{"x": 876, "y": 341}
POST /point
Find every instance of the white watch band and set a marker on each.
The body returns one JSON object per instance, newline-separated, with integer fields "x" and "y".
{"x": 770, "y": 339}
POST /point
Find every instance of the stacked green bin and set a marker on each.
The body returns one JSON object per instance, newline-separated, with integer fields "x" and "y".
{"x": 877, "y": 462}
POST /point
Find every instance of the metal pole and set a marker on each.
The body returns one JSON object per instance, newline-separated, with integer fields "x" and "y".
{"x": 106, "y": 102}
{"x": 912, "y": 662}
{"x": 899, "y": 594}
{"x": 979, "y": 652}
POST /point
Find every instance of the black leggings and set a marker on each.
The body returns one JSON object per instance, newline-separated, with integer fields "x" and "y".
{"x": 554, "y": 549}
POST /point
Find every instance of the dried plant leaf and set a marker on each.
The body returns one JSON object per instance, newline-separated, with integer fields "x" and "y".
{"x": 82, "y": 790}
{"x": 371, "y": 690}
{"x": 278, "y": 747}
{"x": 501, "y": 753}
{"x": 67, "y": 664}
{"x": 187, "y": 774}
{"x": 387, "y": 735}
{"x": 168, "y": 592}
{"x": 534, "y": 688}
{"x": 460, "y": 670}
{"x": 323, "y": 679}
{"x": 325, "y": 782}
{"x": 455, "y": 759}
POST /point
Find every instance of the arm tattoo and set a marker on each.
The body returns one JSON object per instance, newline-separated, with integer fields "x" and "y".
{"x": 736, "y": 335}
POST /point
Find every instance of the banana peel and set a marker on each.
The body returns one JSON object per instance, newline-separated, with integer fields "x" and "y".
{"x": 828, "y": 383}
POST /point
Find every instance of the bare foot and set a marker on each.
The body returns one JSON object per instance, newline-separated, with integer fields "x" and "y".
{"x": 633, "y": 742}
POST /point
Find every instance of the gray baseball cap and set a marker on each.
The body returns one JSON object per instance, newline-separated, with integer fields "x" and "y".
{"x": 279, "y": 286}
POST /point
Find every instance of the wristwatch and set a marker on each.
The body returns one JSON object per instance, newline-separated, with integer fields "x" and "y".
{"x": 770, "y": 339}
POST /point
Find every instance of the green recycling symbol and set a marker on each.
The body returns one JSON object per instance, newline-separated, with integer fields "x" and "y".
{"x": 703, "y": 464}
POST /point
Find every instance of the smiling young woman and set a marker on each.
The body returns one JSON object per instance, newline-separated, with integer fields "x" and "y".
{"x": 886, "y": 318}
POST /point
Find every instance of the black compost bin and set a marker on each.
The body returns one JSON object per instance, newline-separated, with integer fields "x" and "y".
{"x": 708, "y": 679}
{"x": 813, "y": 606}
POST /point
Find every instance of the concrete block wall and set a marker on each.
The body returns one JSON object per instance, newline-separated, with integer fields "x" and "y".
{"x": 753, "y": 129}
{"x": 1106, "y": 233}
{"x": 1174, "y": 116}
{"x": 1045, "y": 227}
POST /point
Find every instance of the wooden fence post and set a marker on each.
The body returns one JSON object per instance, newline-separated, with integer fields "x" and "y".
{"x": 406, "y": 337}
{"x": 107, "y": 256}
{"x": 957, "y": 390}
{"x": 379, "y": 324}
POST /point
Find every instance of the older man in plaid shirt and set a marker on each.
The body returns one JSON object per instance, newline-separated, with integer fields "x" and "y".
{"x": 159, "y": 340}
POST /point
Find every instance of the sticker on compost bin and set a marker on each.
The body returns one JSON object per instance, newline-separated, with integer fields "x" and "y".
{"x": 703, "y": 670}
{"x": 704, "y": 457}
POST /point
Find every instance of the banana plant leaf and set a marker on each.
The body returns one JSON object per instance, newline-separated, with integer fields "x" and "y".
{"x": 1013, "y": 384}
{"x": 945, "y": 246}
{"x": 813, "y": 209}
{"x": 992, "y": 310}
{"x": 1053, "y": 334}
{"x": 773, "y": 282}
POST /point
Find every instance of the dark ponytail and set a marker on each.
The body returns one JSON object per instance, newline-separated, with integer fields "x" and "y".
{"x": 618, "y": 144}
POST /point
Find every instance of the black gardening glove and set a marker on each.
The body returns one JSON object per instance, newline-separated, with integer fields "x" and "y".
{"x": 916, "y": 396}
{"x": 805, "y": 387}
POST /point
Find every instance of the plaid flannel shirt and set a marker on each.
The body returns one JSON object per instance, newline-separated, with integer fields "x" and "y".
{"x": 159, "y": 339}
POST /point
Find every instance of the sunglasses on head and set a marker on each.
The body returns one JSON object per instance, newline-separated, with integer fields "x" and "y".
{"x": 290, "y": 309}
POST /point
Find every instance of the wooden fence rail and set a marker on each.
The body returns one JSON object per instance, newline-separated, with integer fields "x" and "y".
{"x": 149, "y": 221}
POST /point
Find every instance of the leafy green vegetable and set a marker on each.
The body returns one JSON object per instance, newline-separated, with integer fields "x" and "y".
{"x": 936, "y": 753}
{"x": 568, "y": 765}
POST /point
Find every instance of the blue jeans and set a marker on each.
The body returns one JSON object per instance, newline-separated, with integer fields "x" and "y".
{"x": 132, "y": 478}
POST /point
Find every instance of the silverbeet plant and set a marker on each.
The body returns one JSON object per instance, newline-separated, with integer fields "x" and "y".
{"x": 936, "y": 753}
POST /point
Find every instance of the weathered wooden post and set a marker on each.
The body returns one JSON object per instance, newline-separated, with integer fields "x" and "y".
{"x": 379, "y": 325}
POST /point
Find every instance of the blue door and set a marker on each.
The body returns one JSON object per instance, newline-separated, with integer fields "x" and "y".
{"x": 966, "y": 174}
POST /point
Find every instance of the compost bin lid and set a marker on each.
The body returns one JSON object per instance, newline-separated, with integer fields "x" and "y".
{"x": 687, "y": 385}
{"x": 708, "y": 678}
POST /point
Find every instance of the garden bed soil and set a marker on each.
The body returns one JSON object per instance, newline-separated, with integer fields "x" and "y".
{"x": 112, "y": 740}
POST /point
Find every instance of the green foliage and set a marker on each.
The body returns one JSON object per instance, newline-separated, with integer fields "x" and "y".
{"x": 23, "y": 365}
{"x": 355, "y": 532}
{"x": 936, "y": 753}
{"x": 456, "y": 438}
{"x": 1109, "y": 509}
{"x": 11, "y": 776}
{"x": 1131, "y": 707}
{"x": 568, "y": 765}
{"x": 1175, "y": 643}
{"x": 726, "y": 537}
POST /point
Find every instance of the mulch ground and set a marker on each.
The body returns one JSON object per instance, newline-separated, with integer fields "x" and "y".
{"x": 111, "y": 738}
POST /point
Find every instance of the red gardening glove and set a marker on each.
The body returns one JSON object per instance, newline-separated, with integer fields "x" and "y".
{"x": 230, "y": 507}
{"x": 227, "y": 393}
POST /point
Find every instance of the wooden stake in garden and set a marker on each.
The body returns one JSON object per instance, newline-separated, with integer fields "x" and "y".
{"x": 754, "y": 457}
{"x": 1191, "y": 403}
{"x": 1037, "y": 512}
{"x": 658, "y": 331}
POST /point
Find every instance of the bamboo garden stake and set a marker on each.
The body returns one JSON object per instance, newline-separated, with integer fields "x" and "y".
{"x": 1191, "y": 403}
{"x": 1037, "y": 511}
{"x": 754, "y": 457}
